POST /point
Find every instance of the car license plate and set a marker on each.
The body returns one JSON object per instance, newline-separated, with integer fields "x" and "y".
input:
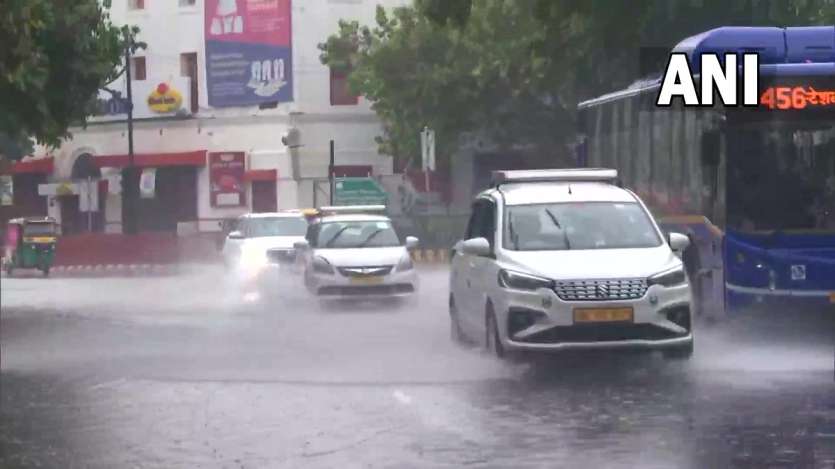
{"x": 370, "y": 280}
{"x": 586, "y": 315}
{"x": 832, "y": 297}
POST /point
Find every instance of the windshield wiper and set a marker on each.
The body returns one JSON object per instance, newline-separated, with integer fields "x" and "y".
{"x": 372, "y": 235}
{"x": 335, "y": 236}
{"x": 557, "y": 224}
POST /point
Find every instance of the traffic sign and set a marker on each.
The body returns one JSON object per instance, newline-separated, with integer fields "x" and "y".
{"x": 358, "y": 191}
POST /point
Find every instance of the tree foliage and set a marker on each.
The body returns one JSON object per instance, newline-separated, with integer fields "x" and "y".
{"x": 55, "y": 56}
{"x": 515, "y": 69}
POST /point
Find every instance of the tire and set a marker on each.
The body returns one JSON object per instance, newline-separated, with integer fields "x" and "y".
{"x": 682, "y": 353}
{"x": 455, "y": 332}
{"x": 492, "y": 341}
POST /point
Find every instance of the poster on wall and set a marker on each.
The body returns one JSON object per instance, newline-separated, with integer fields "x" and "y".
{"x": 148, "y": 183}
{"x": 6, "y": 190}
{"x": 226, "y": 178}
{"x": 248, "y": 52}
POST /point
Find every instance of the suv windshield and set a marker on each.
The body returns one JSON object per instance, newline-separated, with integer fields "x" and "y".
{"x": 354, "y": 234}
{"x": 277, "y": 226}
{"x": 592, "y": 225}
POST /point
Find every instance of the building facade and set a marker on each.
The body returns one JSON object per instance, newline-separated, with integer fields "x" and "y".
{"x": 233, "y": 112}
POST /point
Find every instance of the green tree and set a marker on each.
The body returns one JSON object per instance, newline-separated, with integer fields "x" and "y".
{"x": 480, "y": 78}
{"x": 54, "y": 58}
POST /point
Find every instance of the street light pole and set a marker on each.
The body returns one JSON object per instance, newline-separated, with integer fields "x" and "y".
{"x": 129, "y": 181}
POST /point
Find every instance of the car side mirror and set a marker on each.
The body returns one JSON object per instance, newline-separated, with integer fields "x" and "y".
{"x": 478, "y": 247}
{"x": 411, "y": 242}
{"x": 301, "y": 245}
{"x": 236, "y": 235}
{"x": 678, "y": 241}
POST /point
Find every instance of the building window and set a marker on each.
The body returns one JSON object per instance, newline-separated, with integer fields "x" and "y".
{"x": 340, "y": 93}
{"x": 137, "y": 68}
{"x": 188, "y": 68}
{"x": 136, "y": 4}
{"x": 187, "y": 3}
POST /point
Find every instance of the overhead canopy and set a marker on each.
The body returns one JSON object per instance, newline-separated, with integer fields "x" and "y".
{"x": 261, "y": 175}
{"x": 154, "y": 160}
{"x": 38, "y": 166}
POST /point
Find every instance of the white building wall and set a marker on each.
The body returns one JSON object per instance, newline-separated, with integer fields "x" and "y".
{"x": 170, "y": 30}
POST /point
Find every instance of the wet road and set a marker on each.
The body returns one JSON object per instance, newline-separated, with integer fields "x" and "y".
{"x": 179, "y": 373}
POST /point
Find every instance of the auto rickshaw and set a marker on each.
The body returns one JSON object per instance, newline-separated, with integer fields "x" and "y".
{"x": 30, "y": 244}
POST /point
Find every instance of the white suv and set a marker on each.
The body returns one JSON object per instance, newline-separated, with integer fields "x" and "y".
{"x": 565, "y": 259}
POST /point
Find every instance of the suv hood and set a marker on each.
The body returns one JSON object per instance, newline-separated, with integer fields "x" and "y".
{"x": 362, "y": 257}
{"x": 593, "y": 264}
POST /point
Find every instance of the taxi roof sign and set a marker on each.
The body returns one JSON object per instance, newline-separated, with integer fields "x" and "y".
{"x": 556, "y": 175}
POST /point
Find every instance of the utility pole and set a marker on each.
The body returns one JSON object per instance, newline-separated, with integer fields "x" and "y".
{"x": 330, "y": 171}
{"x": 129, "y": 179}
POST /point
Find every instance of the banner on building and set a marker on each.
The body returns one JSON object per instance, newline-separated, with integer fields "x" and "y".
{"x": 226, "y": 178}
{"x": 6, "y": 190}
{"x": 148, "y": 183}
{"x": 248, "y": 52}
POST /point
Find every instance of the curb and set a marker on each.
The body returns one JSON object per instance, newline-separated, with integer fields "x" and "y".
{"x": 431, "y": 256}
{"x": 104, "y": 270}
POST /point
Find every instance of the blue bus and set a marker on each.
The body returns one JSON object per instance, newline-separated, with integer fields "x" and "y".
{"x": 754, "y": 187}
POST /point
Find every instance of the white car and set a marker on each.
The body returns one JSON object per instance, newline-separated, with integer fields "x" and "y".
{"x": 352, "y": 253}
{"x": 565, "y": 259}
{"x": 260, "y": 242}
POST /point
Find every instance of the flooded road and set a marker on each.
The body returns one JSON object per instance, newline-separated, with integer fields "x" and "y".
{"x": 181, "y": 373}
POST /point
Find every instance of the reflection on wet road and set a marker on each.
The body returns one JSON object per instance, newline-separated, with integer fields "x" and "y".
{"x": 155, "y": 373}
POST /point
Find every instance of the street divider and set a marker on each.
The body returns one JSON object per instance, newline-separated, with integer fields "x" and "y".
{"x": 430, "y": 256}
{"x": 103, "y": 270}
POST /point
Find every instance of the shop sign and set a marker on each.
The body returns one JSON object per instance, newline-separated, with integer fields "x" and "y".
{"x": 226, "y": 179}
{"x": 6, "y": 190}
{"x": 164, "y": 99}
{"x": 152, "y": 99}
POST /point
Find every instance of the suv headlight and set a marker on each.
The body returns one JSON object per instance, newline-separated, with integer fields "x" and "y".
{"x": 322, "y": 266}
{"x": 405, "y": 263}
{"x": 520, "y": 281}
{"x": 669, "y": 278}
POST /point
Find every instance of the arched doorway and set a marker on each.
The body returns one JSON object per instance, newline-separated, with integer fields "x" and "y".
{"x": 86, "y": 175}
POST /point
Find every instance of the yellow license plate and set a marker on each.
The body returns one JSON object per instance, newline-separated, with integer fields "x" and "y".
{"x": 832, "y": 297}
{"x": 367, "y": 280}
{"x": 586, "y": 315}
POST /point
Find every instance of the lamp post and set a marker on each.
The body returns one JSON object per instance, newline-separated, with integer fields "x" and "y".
{"x": 129, "y": 180}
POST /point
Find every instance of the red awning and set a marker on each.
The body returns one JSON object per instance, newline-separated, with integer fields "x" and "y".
{"x": 38, "y": 166}
{"x": 261, "y": 175}
{"x": 153, "y": 160}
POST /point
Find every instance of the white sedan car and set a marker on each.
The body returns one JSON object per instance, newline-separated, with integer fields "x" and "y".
{"x": 356, "y": 255}
{"x": 261, "y": 243}
{"x": 565, "y": 259}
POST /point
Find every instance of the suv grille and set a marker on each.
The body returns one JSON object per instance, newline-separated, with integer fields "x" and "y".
{"x": 376, "y": 271}
{"x": 597, "y": 290}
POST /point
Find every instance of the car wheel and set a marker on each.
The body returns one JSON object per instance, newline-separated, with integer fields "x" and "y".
{"x": 682, "y": 353}
{"x": 492, "y": 340}
{"x": 455, "y": 332}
